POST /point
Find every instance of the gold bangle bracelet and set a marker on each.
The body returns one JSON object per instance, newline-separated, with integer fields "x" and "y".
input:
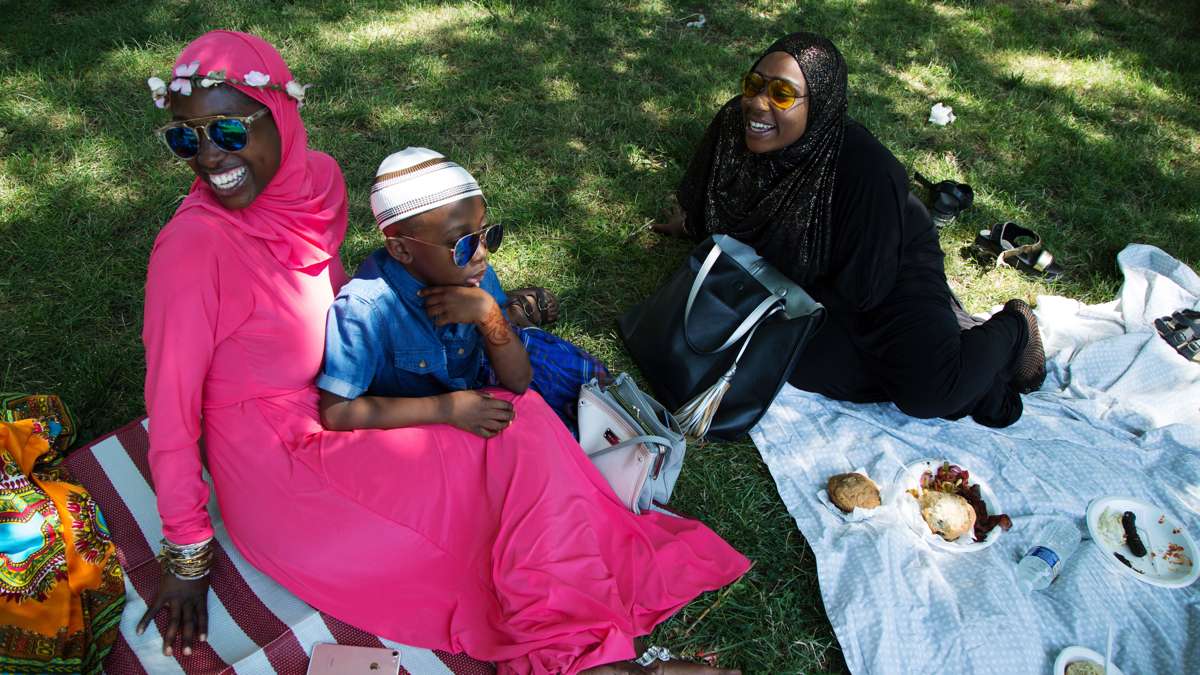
{"x": 188, "y": 562}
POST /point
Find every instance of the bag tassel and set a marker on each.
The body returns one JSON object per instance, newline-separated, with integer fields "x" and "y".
{"x": 696, "y": 416}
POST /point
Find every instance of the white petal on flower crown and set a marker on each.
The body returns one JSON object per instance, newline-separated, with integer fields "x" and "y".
{"x": 157, "y": 86}
{"x": 160, "y": 102}
{"x": 182, "y": 85}
{"x": 257, "y": 79}
{"x": 187, "y": 70}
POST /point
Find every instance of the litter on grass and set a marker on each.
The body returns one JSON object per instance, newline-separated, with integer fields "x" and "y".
{"x": 941, "y": 114}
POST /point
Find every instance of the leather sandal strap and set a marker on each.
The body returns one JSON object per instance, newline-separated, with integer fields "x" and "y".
{"x": 1187, "y": 317}
{"x": 1008, "y": 255}
{"x": 531, "y": 300}
{"x": 1190, "y": 350}
{"x": 1008, "y": 233}
{"x": 1044, "y": 260}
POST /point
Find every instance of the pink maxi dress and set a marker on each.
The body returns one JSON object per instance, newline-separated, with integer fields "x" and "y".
{"x": 512, "y": 550}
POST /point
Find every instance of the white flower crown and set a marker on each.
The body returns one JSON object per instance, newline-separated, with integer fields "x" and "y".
{"x": 185, "y": 75}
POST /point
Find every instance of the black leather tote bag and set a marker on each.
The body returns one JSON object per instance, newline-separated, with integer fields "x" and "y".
{"x": 720, "y": 338}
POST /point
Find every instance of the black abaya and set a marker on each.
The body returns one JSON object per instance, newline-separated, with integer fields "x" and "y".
{"x": 895, "y": 331}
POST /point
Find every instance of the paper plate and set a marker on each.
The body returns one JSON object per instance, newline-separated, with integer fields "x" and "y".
{"x": 1077, "y": 653}
{"x": 1161, "y": 534}
{"x": 910, "y": 477}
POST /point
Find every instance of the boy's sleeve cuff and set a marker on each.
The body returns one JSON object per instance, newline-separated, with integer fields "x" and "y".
{"x": 339, "y": 387}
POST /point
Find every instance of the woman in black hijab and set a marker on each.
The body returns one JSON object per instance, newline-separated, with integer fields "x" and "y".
{"x": 784, "y": 169}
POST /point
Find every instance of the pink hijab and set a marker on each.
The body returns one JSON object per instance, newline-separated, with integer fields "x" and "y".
{"x": 301, "y": 215}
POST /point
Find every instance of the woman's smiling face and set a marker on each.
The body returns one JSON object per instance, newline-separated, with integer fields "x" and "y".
{"x": 768, "y": 128}
{"x": 236, "y": 178}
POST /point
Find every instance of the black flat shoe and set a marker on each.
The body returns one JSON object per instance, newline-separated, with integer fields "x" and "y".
{"x": 947, "y": 199}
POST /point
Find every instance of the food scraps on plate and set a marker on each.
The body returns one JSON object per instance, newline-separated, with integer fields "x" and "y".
{"x": 952, "y": 506}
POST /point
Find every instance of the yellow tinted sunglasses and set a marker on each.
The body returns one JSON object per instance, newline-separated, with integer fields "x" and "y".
{"x": 781, "y": 93}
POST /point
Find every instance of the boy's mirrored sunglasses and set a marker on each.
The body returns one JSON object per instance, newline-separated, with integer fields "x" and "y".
{"x": 227, "y": 132}
{"x": 464, "y": 249}
{"x": 781, "y": 93}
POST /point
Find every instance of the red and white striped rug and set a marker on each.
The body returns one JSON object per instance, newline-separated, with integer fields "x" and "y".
{"x": 255, "y": 626}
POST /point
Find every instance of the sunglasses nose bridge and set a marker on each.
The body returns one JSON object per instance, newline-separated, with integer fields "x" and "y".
{"x": 761, "y": 100}
{"x": 206, "y": 148}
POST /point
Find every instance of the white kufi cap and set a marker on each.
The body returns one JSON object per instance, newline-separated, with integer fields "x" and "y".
{"x": 416, "y": 180}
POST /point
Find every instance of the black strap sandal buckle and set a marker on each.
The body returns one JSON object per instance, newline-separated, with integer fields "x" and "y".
{"x": 1181, "y": 331}
{"x": 947, "y": 199}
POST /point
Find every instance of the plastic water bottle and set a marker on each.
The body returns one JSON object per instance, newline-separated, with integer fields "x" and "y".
{"x": 1044, "y": 561}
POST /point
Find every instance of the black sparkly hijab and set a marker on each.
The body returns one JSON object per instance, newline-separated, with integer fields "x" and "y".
{"x": 778, "y": 202}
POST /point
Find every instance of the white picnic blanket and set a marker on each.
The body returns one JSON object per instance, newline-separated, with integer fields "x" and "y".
{"x": 1119, "y": 415}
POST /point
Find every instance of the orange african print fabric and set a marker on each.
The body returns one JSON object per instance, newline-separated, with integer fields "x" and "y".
{"x": 61, "y": 586}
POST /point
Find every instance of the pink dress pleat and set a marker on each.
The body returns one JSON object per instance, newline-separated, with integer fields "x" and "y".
{"x": 512, "y": 550}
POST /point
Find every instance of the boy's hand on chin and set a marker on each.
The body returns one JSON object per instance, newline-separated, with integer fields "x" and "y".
{"x": 457, "y": 304}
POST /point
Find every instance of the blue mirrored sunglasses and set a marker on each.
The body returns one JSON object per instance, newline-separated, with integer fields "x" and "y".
{"x": 228, "y": 133}
{"x": 464, "y": 249}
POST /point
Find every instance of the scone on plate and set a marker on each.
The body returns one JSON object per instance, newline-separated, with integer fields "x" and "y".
{"x": 947, "y": 515}
{"x": 850, "y": 490}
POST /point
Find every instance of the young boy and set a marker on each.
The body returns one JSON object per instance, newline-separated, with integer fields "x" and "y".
{"x": 416, "y": 333}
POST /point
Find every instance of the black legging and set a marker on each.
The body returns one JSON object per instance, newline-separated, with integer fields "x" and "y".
{"x": 920, "y": 350}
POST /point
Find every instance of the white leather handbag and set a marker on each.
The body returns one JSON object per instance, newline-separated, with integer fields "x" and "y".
{"x": 632, "y": 439}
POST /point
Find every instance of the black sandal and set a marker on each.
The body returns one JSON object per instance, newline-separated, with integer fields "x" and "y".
{"x": 1002, "y": 242}
{"x": 947, "y": 199}
{"x": 1181, "y": 330}
{"x": 534, "y": 306}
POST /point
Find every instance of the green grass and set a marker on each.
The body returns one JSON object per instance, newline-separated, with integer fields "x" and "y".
{"x": 1079, "y": 119}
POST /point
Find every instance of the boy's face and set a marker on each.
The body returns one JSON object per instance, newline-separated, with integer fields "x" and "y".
{"x": 430, "y": 259}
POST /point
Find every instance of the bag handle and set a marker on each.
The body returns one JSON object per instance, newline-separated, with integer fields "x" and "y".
{"x": 648, "y": 439}
{"x": 652, "y": 416}
{"x": 747, "y": 324}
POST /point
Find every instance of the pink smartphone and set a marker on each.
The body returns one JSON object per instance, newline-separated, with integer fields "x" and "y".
{"x": 332, "y": 659}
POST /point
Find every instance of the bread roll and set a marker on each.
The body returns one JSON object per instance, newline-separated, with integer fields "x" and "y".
{"x": 850, "y": 490}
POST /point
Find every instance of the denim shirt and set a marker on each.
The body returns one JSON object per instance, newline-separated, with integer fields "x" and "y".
{"x": 379, "y": 341}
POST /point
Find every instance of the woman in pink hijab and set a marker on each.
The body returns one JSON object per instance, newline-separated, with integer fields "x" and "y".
{"x": 512, "y": 549}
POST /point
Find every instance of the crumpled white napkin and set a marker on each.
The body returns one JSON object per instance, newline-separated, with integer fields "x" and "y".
{"x": 941, "y": 114}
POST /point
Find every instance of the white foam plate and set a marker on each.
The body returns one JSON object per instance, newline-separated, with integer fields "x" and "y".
{"x": 910, "y": 478}
{"x": 1158, "y": 531}
{"x": 1077, "y": 653}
